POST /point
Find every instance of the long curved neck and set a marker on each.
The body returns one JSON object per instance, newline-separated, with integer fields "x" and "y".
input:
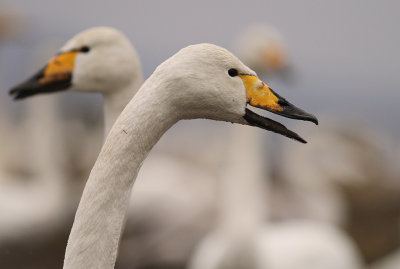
{"x": 115, "y": 102}
{"x": 93, "y": 242}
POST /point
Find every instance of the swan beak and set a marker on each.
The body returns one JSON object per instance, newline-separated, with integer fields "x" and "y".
{"x": 260, "y": 95}
{"x": 55, "y": 76}
{"x": 274, "y": 57}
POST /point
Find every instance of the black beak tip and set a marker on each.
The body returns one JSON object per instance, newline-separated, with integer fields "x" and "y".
{"x": 302, "y": 141}
{"x": 296, "y": 137}
{"x": 307, "y": 117}
{"x": 314, "y": 120}
{"x": 15, "y": 94}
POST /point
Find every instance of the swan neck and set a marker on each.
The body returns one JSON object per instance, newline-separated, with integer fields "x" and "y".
{"x": 243, "y": 182}
{"x": 47, "y": 150}
{"x": 115, "y": 101}
{"x": 94, "y": 238}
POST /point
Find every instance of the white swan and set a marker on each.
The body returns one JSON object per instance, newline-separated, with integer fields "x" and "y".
{"x": 345, "y": 177}
{"x": 82, "y": 64}
{"x": 337, "y": 160}
{"x": 34, "y": 203}
{"x": 200, "y": 81}
{"x": 262, "y": 47}
{"x": 73, "y": 66}
{"x": 245, "y": 238}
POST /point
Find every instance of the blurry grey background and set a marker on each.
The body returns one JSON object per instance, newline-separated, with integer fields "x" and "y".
{"x": 345, "y": 53}
{"x": 344, "y": 56}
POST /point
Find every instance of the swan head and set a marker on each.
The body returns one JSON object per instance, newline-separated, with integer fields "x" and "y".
{"x": 210, "y": 82}
{"x": 99, "y": 59}
{"x": 263, "y": 48}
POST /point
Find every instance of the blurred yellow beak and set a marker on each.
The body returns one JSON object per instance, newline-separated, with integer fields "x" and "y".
{"x": 55, "y": 76}
{"x": 59, "y": 68}
{"x": 274, "y": 57}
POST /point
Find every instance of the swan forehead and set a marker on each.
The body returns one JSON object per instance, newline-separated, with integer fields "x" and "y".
{"x": 104, "y": 36}
{"x": 205, "y": 60}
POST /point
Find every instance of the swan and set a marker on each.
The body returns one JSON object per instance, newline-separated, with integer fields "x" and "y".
{"x": 200, "y": 81}
{"x": 33, "y": 200}
{"x": 314, "y": 188}
{"x": 263, "y": 48}
{"x": 81, "y": 65}
{"x": 244, "y": 236}
{"x": 351, "y": 183}
{"x": 33, "y": 192}
{"x": 110, "y": 47}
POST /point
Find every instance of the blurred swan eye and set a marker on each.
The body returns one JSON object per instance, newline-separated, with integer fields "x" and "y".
{"x": 85, "y": 49}
{"x": 233, "y": 72}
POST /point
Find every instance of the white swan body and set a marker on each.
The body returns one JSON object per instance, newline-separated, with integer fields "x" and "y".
{"x": 36, "y": 202}
{"x": 295, "y": 244}
{"x": 246, "y": 239}
{"x": 75, "y": 68}
{"x": 200, "y": 81}
{"x": 351, "y": 183}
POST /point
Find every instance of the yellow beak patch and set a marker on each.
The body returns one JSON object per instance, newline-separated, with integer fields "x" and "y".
{"x": 258, "y": 94}
{"x": 59, "y": 68}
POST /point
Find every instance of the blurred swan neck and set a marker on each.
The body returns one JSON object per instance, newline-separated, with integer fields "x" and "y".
{"x": 243, "y": 181}
{"x": 116, "y": 100}
{"x": 94, "y": 238}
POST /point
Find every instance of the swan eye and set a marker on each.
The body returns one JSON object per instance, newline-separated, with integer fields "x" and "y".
{"x": 233, "y": 72}
{"x": 85, "y": 49}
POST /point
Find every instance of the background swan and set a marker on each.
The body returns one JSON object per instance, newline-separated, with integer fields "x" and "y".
{"x": 263, "y": 48}
{"x": 339, "y": 170}
{"x": 81, "y": 65}
{"x": 352, "y": 183}
{"x": 33, "y": 188}
{"x": 34, "y": 203}
{"x": 245, "y": 238}
{"x": 42, "y": 156}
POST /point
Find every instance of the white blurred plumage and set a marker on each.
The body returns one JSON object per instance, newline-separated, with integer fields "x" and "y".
{"x": 33, "y": 198}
